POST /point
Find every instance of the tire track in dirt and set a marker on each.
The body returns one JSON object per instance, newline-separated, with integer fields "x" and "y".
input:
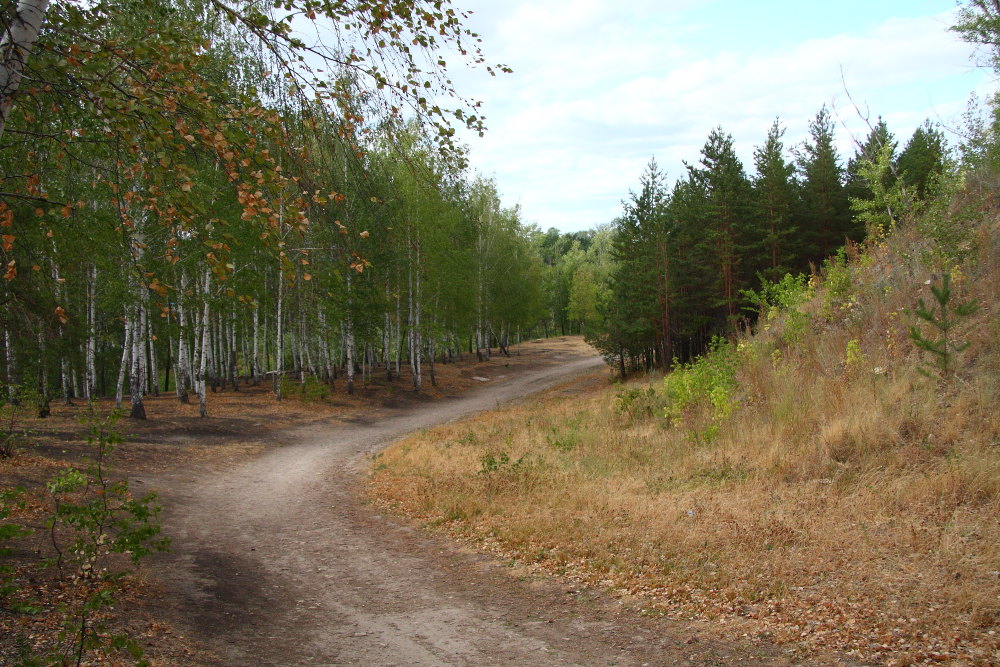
{"x": 276, "y": 561}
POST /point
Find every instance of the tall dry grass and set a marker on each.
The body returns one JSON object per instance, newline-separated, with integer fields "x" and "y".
{"x": 848, "y": 501}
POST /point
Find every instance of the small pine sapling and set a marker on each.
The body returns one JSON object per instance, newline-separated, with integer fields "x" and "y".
{"x": 942, "y": 317}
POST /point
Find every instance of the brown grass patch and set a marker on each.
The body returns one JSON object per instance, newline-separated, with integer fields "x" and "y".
{"x": 844, "y": 505}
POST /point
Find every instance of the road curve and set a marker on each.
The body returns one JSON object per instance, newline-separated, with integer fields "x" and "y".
{"x": 277, "y": 562}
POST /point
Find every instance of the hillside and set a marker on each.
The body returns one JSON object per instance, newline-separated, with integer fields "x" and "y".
{"x": 821, "y": 482}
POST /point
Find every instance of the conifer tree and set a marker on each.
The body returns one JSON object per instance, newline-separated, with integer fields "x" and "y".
{"x": 922, "y": 159}
{"x": 729, "y": 217}
{"x": 825, "y": 213}
{"x": 774, "y": 198}
{"x": 637, "y": 296}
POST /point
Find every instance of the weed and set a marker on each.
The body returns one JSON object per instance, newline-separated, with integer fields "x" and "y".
{"x": 501, "y": 463}
{"x": 838, "y": 283}
{"x": 638, "y": 402}
{"x": 10, "y": 499}
{"x": 312, "y": 390}
{"x": 562, "y": 443}
{"x": 469, "y": 439}
{"x": 853, "y": 356}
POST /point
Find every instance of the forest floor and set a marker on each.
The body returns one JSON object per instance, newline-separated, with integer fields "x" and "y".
{"x": 278, "y": 559}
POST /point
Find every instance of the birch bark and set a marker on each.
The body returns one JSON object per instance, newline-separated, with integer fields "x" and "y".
{"x": 15, "y": 46}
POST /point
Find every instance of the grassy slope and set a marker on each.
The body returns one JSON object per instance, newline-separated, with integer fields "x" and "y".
{"x": 847, "y": 502}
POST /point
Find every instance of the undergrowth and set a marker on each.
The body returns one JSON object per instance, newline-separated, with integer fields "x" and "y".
{"x": 88, "y": 533}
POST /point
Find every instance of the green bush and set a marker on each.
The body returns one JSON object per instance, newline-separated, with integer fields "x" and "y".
{"x": 93, "y": 519}
{"x": 709, "y": 380}
{"x": 782, "y": 299}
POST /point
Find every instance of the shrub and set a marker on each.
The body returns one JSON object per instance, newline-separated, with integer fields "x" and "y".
{"x": 92, "y": 522}
{"x": 782, "y": 298}
{"x": 709, "y": 380}
{"x": 639, "y": 402}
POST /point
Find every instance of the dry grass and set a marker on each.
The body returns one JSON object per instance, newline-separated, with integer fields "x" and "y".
{"x": 845, "y": 505}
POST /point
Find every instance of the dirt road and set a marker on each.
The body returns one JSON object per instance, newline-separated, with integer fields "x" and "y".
{"x": 278, "y": 561}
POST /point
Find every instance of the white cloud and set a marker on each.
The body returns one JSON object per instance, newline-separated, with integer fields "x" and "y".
{"x": 597, "y": 90}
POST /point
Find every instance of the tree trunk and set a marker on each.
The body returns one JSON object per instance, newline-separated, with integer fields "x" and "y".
{"x": 233, "y": 360}
{"x": 348, "y": 334}
{"x": 15, "y": 46}
{"x": 182, "y": 375}
{"x": 154, "y": 371}
{"x": 202, "y": 408}
{"x": 386, "y": 335}
{"x": 43, "y": 379}
{"x": 137, "y": 375}
{"x": 90, "y": 377}
{"x": 11, "y": 365}
{"x": 255, "y": 358}
{"x": 126, "y": 355}
{"x": 280, "y": 337}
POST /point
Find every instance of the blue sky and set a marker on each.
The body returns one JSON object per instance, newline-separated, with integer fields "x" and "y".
{"x": 600, "y": 86}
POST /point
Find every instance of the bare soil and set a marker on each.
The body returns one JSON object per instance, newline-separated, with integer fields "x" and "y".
{"x": 278, "y": 560}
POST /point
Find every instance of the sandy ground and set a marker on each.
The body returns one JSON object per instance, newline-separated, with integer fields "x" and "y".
{"x": 277, "y": 560}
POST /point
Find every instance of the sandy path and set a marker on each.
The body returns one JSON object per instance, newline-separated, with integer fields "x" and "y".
{"x": 277, "y": 562}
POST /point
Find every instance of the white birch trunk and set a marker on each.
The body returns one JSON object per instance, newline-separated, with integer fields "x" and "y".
{"x": 126, "y": 356}
{"x": 255, "y": 358}
{"x": 397, "y": 345}
{"x": 182, "y": 373}
{"x": 386, "y": 341}
{"x": 305, "y": 363}
{"x": 90, "y": 380}
{"x": 280, "y": 338}
{"x": 348, "y": 334}
{"x": 415, "y": 343}
{"x": 202, "y": 362}
{"x": 154, "y": 371}
{"x": 323, "y": 344}
{"x": 233, "y": 357}
{"x": 18, "y": 39}
{"x": 10, "y": 365}
{"x": 137, "y": 375}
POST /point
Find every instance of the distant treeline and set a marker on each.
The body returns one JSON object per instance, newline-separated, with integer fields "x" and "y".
{"x": 673, "y": 270}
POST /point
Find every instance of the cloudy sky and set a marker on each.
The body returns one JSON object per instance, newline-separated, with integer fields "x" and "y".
{"x": 600, "y": 86}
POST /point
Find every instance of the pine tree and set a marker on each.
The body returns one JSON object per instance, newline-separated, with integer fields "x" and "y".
{"x": 774, "y": 199}
{"x": 729, "y": 218}
{"x": 922, "y": 159}
{"x": 638, "y": 306}
{"x": 825, "y": 213}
